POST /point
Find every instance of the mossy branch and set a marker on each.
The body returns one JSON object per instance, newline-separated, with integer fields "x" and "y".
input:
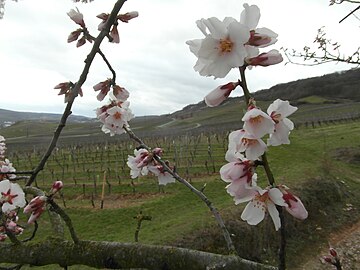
{"x": 121, "y": 256}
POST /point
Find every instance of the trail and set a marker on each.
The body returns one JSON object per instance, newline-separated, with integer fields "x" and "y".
{"x": 347, "y": 244}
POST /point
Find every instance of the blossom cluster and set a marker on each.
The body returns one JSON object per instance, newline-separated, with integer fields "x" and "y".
{"x": 235, "y": 44}
{"x": 230, "y": 44}
{"x": 143, "y": 162}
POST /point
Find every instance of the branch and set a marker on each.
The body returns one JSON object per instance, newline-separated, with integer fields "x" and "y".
{"x": 76, "y": 89}
{"x": 201, "y": 195}
{"x": 114, "y": 255}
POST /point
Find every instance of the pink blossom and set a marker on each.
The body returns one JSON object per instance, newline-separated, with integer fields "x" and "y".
{"x": 120, "y": 93}
{"x": 164, "y": 177}
{"x": 222, "y": 48}
{"x": 257, "y": 123}
{"x": 12, "y": 196}
{"x": 219, "y": 94}
{"x": 264, "y": 201}
{"x": 36, "y": 207}
{"x": 265, "y": 59}
{"x": 7, "y": 167}
{"x": 128, "y": 16}
{"x": 77, "y": 17}
{"x": 138, "y": 163}
{"x": 243, "y": 142}
{"x": 65, "y": 89}
{"x": 279, "y": 110}
{"x": 104, "y": 88}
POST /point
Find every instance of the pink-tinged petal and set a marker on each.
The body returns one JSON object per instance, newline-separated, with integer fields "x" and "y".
{"x": 297, "y": 209}
{"x": 74, "y": 35}
{"x": 280, "y": 136}
{"x": 165, "y": 178}
{"x": 274, "y": 215}
{"x": 219, "y": 94}
{"x": 128, "y": 16}
{"x": 241, "y": 191}
{"x": 232, "y": 171}
{"x": 120, "y": 93}
{"x": 258, "y": 123}
{"x": 101, "y": 25}
{"x": 272, "y": 57}
{"x": 77, "y": 17}
{"x": 81, "y": 42}
{"x": 115, "y": 35}
{"x": 281, "y": 109}
{"x": 103, "y": 16}
{"x": 250, "y": 16}
{"x": 254, "y": 212}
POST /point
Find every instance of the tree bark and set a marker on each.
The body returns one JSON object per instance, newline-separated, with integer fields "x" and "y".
{"x": 113, "y": 255}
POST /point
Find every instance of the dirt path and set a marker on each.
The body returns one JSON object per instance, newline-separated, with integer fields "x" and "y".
{"x": 346, "y": 243}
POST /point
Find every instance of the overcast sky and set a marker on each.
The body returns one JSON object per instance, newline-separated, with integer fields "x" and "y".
{"x": 152, "y": 60}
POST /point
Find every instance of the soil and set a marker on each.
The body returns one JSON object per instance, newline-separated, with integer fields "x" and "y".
{"x": 347, "y": 245}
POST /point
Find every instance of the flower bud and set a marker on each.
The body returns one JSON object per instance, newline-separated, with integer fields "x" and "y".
{"x": 219, "y": 94}
{"x": 77, "y": 17}
{"x": 333, "y": 252}
{"x": 128, "y": 16}
{"x": 57, "y": 185}
{"x": 265, "y": 59}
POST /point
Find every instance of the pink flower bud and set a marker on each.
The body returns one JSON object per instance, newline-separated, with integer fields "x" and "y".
{"x": 57, "y": 185}
{"x": 128, "y": 16}
{"x": 77, "y": 17}
{"x": 157, "y": 151}
{"x": 114, "y": 33}
{"x": 265, "y": 59}
{"x": 74, "y": 35}
{"x": 219, "y": 94}
{"x": 333, "y": 252}
{"x": 120, "y": 93}
{"x": 36, "y": 207}
{"x": 81, "y": 42}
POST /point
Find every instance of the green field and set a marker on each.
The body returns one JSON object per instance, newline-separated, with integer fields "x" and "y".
{"x": 321, "y": 163}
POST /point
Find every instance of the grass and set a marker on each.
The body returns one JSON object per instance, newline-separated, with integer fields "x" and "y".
{"x": 177, "y": 212}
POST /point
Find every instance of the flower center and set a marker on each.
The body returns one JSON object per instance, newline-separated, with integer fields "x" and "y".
{"x": 7, "y": 197}
{"x": 256, "y": 120}
{"x": 248, "y": 142}
{"x": 276, "y": 117}
{"x": 117, "y": 115}
{"x": 226, "y": 45}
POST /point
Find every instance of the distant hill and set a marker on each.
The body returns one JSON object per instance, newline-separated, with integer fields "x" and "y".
{"x": 8, "y": 117}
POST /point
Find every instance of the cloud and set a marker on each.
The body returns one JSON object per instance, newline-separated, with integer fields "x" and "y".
{"x": 152, "y": 60}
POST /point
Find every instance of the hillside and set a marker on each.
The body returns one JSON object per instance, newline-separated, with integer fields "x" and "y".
{"x": 320, "y": 99}
{"x": 8, "y": 117}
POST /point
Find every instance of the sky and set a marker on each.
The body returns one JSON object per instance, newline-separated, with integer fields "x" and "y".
{"x": 152, "y": 60}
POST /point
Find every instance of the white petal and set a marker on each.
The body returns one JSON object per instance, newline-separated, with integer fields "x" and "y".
{"x": 254, "y": 212}
{"x": 274, "y": 215}
{"x": 250, "y": 16}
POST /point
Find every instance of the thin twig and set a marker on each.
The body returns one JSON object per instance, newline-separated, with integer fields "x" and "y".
{"x": 76, "y": 88}
{"x": 201, "y": 195}
{"x": 109, "y": 65}
{"x": 349, "y": 14}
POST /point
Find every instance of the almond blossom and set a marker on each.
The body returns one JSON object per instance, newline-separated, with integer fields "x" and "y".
{"x": 243, "y": 142}
{"x": 12, "y": 196}
{"x": 138, "y": 163}
{"x": 222, "y": 48}
{"x": 65, "y": 89}
{"x": 114, "y": 117}
{"x": 264, "y": 201}
{"x": 219, "y": 94}
{"x": 259, "y": 37}
{"x": 6, "y": 167}
{"x": 164, "y": 177}
{"x": 128, "y": 16}
{"x": 103, "y": 87}
{"x": 279, "y": 110}
{"x": 257, "y": 123}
